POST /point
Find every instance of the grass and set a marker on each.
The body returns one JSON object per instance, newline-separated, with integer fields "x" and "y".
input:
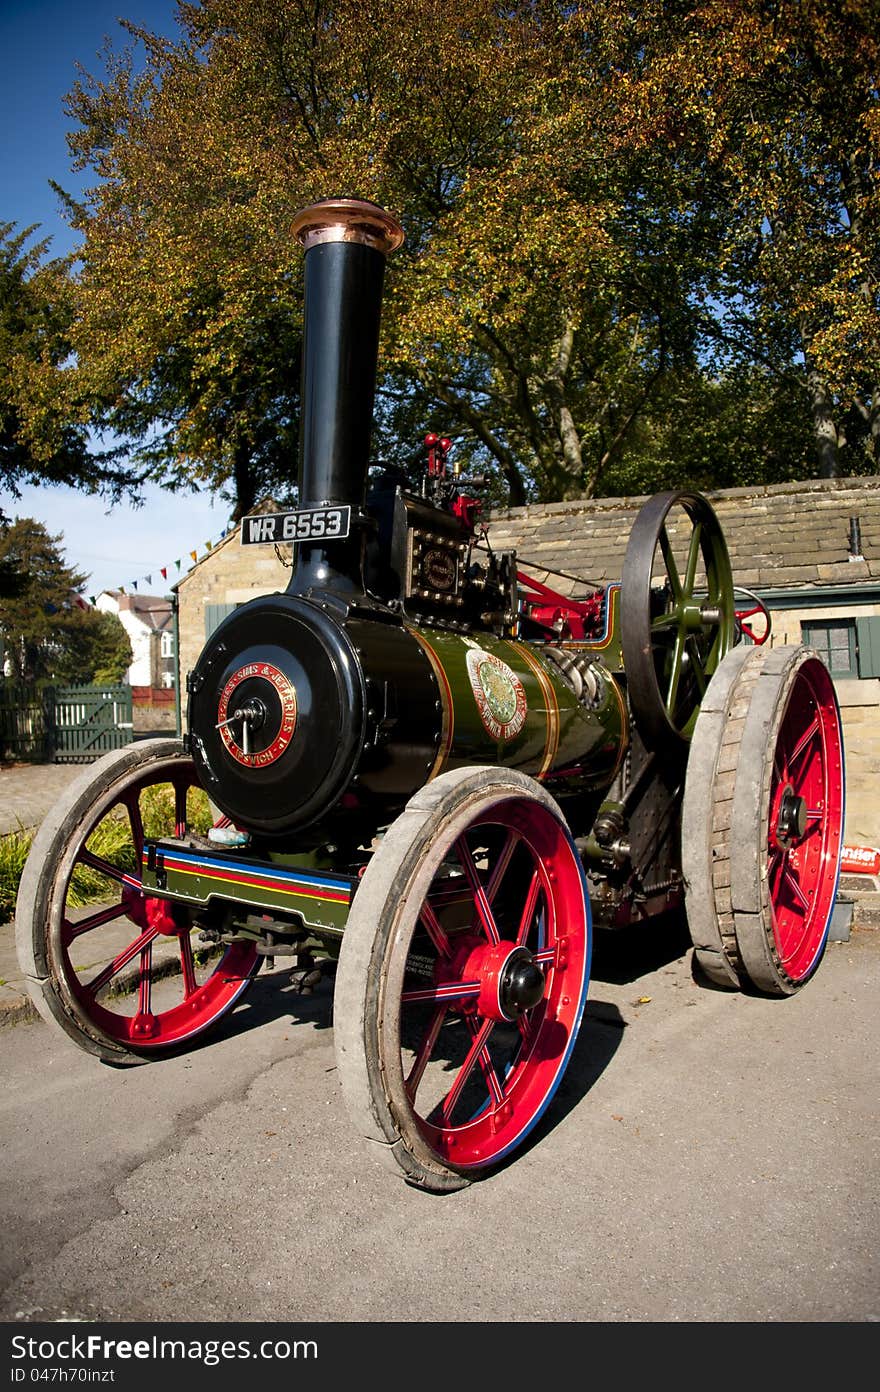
{"x": 111, "y": 840}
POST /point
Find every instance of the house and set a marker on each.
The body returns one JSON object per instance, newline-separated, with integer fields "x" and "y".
{"x": 809, "y": 550}
{"x": 148, "y": 621}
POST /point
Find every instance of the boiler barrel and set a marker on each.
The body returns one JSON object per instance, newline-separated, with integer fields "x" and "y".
{"x": 503, "y": 704}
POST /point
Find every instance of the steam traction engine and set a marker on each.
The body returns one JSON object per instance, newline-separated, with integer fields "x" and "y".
{"x": 432, "y": 772}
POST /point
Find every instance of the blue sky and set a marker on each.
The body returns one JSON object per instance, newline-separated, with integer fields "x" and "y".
{"x": 41, "y": 43}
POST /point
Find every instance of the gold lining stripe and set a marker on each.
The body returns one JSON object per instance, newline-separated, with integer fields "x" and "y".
{"x": 551, "y": 746}
{"x": 447, "y": 728}
{"x": 624, "y": 727}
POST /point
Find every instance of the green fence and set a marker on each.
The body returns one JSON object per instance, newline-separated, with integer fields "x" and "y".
{"x": 63, "y": 724}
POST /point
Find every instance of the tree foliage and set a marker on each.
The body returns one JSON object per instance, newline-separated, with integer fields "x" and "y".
{"x": 44, "y": 408}
{"x": 641, "y": 238}
{"x": 45, "y": 634}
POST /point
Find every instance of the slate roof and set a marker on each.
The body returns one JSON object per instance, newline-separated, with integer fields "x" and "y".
{"x": 782, "y": 536}
{"x": 153, "y": 610}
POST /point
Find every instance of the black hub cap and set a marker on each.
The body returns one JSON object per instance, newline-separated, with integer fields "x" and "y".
{"x": 523, "y": 984}
{"x": 793, "y": 818}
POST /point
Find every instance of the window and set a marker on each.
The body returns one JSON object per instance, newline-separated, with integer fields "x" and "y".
{"x": 835, "y": 642}
{"x": 167, "y": 648}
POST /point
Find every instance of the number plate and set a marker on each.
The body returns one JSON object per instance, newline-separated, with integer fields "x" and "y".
{"x": 310, "y": 524}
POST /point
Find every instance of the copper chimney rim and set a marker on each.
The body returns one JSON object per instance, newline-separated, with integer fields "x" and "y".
{"x": 347, "y": 220}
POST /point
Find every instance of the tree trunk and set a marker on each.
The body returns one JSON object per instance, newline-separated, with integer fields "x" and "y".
{"x": 824, "y": 429}
{"x": 570, "y": 459}
{"x": 245, "y": 481}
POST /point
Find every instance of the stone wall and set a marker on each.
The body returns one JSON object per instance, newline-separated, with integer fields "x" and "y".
{"x": 229, "y": 574}
{"x": 787, "y": 534}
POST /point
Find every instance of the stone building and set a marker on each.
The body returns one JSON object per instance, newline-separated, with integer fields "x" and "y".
{"x": 809, "y": 550}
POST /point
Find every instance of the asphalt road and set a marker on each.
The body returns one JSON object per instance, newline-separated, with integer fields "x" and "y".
{"x": 710, "y": 1157}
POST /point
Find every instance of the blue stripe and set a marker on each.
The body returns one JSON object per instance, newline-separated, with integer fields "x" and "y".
{"x": 257, "y": 867}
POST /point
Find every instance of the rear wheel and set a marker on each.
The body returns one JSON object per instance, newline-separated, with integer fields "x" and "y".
{"x": 462, "y": 976}
{"x": 762, "y": 820}
{"x": 118, "y": 970}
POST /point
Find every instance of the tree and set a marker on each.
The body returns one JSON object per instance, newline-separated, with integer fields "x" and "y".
{"x": 96, "y": 649}
{"x": 46, "y": 633}
{"x": 779, "y": 103}
{"x": 44, "y": 414}
{"x": 587, "y": 190}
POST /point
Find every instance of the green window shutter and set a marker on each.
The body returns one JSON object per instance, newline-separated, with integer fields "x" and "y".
{"x": 214, "y": 616}
{"x": 868, "y": 637}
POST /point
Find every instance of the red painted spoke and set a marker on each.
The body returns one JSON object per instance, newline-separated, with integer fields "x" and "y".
{"x": 815, "y": 822}
{"x": 478, "y": 1044}
{"x": 132, "y": 951}
{"x": 484, "y": 908}
{"x": 435, "y": 930}
{"x": 105, "y": 868}
{"x": 85, "y": 925}
{"x": 669, "y": 562}
{"x": 420, "y": 1062}
{"x": 146, "y": 981}
{"x": 180, "y": 792}
{"x": 458, "y": 990}
{"x": 501, "y": 865}
{"x": 798, "y": 892}
{"x": 133, "y": 807}
{"x": 803, "y": 743}
{"x": 187, "y": 966}
{"x": 529, "y": 908}
{"x": 693, "y": 557}
{"x": 527, "y": 1026}
{"x": 775, "y": 865}
{"x": 496, "y": 1091}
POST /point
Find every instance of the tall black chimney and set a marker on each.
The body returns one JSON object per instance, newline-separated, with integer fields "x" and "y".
{"x": 346, "y": 242}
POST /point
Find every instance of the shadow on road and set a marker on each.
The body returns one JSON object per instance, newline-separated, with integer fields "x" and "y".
{"x": 621, "y": 955}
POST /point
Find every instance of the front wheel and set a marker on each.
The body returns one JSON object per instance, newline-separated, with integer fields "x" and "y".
{"x": 462, "y": 976}
{"x": 119, "y": 970}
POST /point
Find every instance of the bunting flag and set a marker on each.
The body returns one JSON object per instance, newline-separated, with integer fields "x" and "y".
{"x": 208, "y": 546}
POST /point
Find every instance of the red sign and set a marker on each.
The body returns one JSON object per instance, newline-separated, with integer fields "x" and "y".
{"x": 860, "y": 860}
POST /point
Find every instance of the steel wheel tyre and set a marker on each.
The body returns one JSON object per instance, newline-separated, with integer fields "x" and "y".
{"x": 677, "y": 614}
{"x": 462, "y": 976}
{"x": 770, "y": 829}
{"x": 122, "y": 977}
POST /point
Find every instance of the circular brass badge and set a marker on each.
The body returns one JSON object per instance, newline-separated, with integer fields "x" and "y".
{"x": 499, "y": 694}
{"x": 242, "y": 727}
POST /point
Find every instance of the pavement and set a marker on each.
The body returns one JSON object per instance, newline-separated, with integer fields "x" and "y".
{"x": 29, "y": 791}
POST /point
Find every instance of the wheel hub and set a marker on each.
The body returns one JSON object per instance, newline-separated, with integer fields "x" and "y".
{"x": 507, "y": 981}
{"x": 791, "y": 819}
{"x": 162, "y": 915}
{"x": 522, "y": 983}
